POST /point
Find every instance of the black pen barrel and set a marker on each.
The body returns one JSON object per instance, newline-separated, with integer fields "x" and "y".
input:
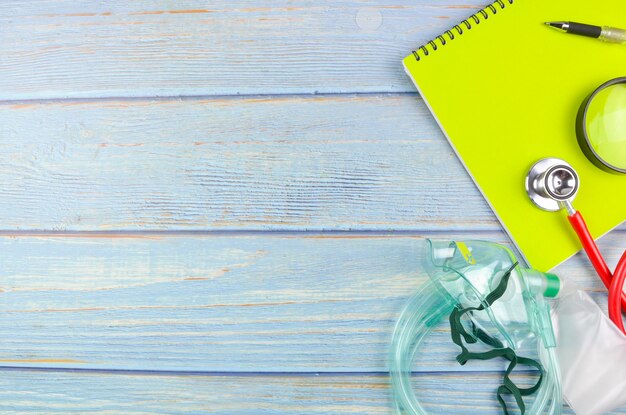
{"x": 584, "y": 29}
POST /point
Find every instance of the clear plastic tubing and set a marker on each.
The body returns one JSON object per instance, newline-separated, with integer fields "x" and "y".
{"x": 423, "y": 312}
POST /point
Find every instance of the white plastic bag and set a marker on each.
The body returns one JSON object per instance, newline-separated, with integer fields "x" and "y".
{"x": 591, "y": 353}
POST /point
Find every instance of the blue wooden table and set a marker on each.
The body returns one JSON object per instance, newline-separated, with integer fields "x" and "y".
{"x": 215, "y": 207}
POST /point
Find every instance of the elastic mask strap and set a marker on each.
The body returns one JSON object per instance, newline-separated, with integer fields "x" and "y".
{"x": 459, "y": 334}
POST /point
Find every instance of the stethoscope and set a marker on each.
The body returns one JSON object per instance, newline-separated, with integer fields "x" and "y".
{"x": 552, "y": 184}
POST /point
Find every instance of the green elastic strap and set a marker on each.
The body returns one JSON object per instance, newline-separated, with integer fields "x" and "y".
{"x": 459, "y": 334}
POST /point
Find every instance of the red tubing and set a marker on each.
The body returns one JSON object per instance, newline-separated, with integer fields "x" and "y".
{"x": 615, "y": 306}
{"x": 613, "y": 282}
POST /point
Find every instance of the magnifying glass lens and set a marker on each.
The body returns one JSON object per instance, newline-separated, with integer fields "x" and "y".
{"x": 606, "y": 126}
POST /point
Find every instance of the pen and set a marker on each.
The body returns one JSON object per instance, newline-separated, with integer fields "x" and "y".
{"x": 604, "y": 33}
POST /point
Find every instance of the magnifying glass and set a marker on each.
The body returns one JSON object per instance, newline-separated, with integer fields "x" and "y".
{"x": 601, "y": 126}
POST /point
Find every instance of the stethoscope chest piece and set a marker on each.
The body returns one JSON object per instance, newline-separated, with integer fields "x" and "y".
{"x": 552, "y": 184}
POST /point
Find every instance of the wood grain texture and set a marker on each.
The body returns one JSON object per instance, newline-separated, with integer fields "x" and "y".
{"x": 128, "y": 394}
{"x": 267, "y": 322}
{"x": 61, "y": 49}
{"x": 230, "y": 303}
{"x": 317, "y": 163}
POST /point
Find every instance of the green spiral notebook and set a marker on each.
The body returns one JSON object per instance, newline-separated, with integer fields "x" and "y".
{"x": 505, "y": 90}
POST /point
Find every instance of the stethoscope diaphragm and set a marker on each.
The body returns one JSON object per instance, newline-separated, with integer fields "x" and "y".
{"x": 552, "y": 184}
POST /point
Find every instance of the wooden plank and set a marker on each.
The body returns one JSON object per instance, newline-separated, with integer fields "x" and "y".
{"x": 61, "y": 49}
{"x": 228, "y": 303}
{"x": 132, "y": 394}
{"x": 319, "y": 163}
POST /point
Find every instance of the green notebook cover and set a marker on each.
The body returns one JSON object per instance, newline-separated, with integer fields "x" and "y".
{"x": 506, "y": 93}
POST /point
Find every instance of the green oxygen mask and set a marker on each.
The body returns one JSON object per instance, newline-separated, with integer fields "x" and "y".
{"x": 496, "y": 310}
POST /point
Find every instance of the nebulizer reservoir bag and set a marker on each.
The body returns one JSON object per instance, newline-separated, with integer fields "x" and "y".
{"x": 495, "y": 310}
{"x": 591, "y": 351}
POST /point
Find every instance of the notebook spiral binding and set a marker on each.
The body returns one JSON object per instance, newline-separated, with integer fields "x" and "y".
{"x": 475, "y": 19}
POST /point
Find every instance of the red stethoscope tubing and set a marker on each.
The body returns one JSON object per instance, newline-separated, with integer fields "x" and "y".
{"x": 614, "y": 282}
